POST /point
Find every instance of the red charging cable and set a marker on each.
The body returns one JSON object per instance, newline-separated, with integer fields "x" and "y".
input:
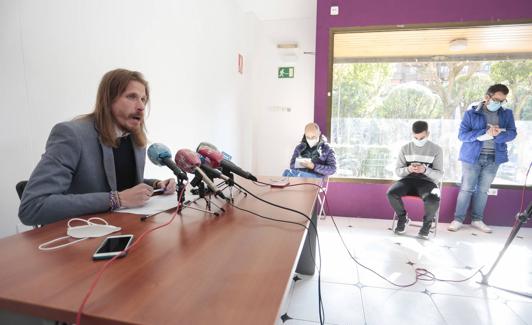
{"x": 106, "y": 265}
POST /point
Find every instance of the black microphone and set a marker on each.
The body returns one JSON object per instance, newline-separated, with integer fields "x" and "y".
{"x": 160, "y": 155}
{"x": 214, "y": 173}
{"x": 216, "y": 160}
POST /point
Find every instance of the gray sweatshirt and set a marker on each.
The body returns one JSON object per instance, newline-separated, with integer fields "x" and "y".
{"x": 430, "y": 155}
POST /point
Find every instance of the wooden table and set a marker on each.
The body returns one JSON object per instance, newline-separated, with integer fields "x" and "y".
{"x": 200, "y": 269}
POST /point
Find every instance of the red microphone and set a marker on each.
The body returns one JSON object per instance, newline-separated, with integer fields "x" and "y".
{"x": 216, "y": 160}
{"x": 190, "y": 162}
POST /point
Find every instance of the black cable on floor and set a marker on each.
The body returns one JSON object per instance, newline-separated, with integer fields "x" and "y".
{"x": 422, "y": 274}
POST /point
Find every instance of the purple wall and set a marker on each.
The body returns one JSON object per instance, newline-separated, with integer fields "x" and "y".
{"x": 370, "y": 198}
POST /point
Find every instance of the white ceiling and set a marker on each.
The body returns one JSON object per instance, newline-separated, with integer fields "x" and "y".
{"x": 481, "y": 41}
{"x": 279, "y": 9}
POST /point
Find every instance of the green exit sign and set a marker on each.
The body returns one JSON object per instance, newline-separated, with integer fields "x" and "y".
{"x": 285, "y": 72}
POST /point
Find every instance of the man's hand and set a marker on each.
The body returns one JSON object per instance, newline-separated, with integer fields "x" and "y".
{"x": 168, "y": 185}
{"x": 421, "y": 169}
{"x": 417, "y": 168}
{"x": 493, "y": 130}
{"x": 309, "y": 165}
{"x": 136, "y": 196}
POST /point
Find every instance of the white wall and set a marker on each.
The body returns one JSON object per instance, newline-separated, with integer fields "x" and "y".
{"x": 53, "y": 54}
{"x": 282, "y": 107}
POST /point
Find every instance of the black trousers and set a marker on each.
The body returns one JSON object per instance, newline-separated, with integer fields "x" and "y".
{"x": 417, "y": 187}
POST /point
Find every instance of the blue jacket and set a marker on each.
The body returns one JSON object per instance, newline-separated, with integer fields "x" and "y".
{"x": 474, "y": 124}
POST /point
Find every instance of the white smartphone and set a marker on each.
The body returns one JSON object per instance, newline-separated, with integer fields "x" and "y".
{"x": 112, "y": 246}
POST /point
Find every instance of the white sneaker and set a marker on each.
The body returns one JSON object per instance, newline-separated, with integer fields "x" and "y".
{"x": 480, "y": 225}
{"x": 455, "y": 225}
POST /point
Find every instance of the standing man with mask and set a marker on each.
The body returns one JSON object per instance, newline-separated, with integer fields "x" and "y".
{"x": 95, "y": 163}
{"x": 420, "y": 166}
{"x": 484, "y": 131}
{"x": 313, "y": 157}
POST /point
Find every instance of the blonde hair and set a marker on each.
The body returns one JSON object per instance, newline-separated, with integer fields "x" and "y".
{"x": 112, "y": 86}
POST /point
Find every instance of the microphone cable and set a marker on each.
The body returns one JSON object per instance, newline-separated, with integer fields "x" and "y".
{"x": 320, "y": 300}
{"x": 264, "y": 217}
{"x": 129, "y": 248}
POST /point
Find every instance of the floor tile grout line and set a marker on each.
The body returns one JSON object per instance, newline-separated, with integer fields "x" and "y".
{"x": 363, "y": 305}
{"x": 438, "y": 309}
{"x": 417, "y": 290}
{"x": 516, "y": 314}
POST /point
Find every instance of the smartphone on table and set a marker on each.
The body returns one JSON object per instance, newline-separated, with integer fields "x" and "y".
{"x": 112, "y": 246}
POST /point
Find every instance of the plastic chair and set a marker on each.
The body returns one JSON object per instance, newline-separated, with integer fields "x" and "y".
{"x": 321, "y": 196}
{"x": 20, "y": 188}
{"x": 434, "y": 227}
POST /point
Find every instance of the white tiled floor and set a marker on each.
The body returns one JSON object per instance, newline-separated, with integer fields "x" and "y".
{"x": 354, "y": 295}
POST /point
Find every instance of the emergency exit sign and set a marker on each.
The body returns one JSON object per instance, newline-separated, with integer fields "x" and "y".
{"x": 285, "y": 72}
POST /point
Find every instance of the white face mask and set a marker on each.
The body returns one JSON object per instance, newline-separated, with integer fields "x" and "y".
{"x": 88, "y": 230}
{"x": 420, "y": 143}
{"x": 312, "y": 142}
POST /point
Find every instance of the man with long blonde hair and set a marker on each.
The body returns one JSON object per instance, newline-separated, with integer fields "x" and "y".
{"x": 95, "y": 163}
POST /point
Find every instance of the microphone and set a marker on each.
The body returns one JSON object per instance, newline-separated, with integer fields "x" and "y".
{"x": 206, "y": 144}
{"x": 189, "y": 161}
{"x": 216, "y": 159}
{"x": 214, "y": 173}
{"x": 160, "y": 155}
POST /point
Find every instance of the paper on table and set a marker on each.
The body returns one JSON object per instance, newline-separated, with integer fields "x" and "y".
{"x": 154, "y": 205}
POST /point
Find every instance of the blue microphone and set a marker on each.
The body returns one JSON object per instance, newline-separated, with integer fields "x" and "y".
{"x": 160, "y": 155}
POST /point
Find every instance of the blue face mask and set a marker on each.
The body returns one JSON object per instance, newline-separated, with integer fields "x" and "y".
{"x": 493, "y": 106}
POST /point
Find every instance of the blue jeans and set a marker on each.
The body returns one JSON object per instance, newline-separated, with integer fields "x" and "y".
{"x": 476, "y": 181}
{"x": 300, "y": 173}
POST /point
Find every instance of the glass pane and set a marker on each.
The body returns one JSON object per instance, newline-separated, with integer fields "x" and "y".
{"x": 375, "y": 104}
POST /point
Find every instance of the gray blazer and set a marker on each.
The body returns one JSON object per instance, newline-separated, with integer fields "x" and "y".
{"x": 75, "y": 175}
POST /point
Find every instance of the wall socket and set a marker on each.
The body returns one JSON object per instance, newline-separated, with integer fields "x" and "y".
{"x": 492, "y": 191}
{"x": 334, "y": 10}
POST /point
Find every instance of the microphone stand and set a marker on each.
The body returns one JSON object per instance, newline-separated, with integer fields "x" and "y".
{"x": 522, "y": 218}
{"x": 202, "y": 194}
{"x": 230, "y": 183}
{"x": 180, "y": 192}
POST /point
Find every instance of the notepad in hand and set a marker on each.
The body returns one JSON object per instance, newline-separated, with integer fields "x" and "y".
{"x": 301, "y": 162}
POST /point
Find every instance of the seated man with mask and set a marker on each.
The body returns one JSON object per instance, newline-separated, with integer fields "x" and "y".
{"x": 313, "y": 157}
{"x": 420, "y": 166}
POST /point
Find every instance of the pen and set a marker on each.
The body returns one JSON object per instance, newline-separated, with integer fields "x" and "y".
{"x": 158, "y": 191}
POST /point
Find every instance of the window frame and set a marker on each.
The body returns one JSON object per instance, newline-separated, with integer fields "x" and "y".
{"x": 391, "y": 28}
